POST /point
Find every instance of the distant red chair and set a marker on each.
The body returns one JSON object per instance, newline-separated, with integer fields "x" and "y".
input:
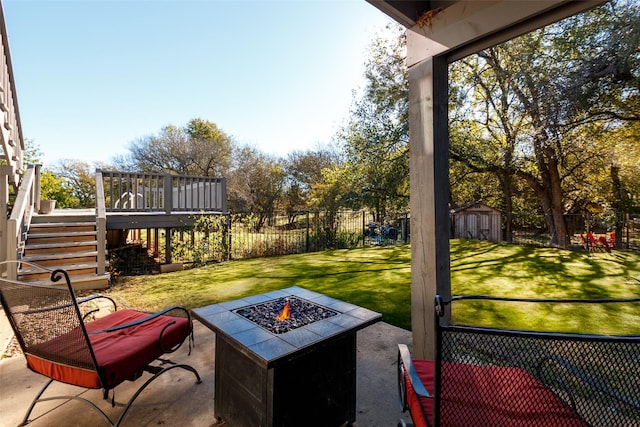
{"x": 604, "y": 243}
{"x": 61, "y": 341}
{"x": 589, "y": 242}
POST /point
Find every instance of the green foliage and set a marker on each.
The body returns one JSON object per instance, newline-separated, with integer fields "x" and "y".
{"x": 32, "y": 153}
{"x": 207, "y": 240}
{"x": 259, "y": 181}
{"x": 81, "y": 182}
{"x": 375, "y": 139}
{"x": 537, "y": 114}
{"x": 55, "y": 187}
{"x": 199, "y": 148}
{"x": 304, "y": 173}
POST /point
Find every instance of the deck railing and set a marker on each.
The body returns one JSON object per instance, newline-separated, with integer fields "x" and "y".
{"x": 158, "y": 192}
{"x": 11, "y": 154}
{"x": 10, "y": 128}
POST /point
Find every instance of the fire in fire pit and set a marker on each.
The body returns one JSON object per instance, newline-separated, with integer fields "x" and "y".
{"x": 285, "y": 314}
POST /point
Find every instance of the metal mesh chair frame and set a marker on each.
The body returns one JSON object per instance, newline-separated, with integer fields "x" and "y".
{"x": 76, "y": 314}
{"x": 596, "y": 377}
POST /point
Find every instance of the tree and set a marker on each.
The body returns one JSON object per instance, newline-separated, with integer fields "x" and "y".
{"x": 79, "y": 178}
{"x": 211, "y": 149}
{"x": 255, "y": 184}
{"x": 543, "y": 101}
{"x": 32, "y": 154}
{"x": 54, "y": 187}
{"x": 328, "y": 195}
{"x": 304, "y": 171}
{"x": 375, "y": 139}
{"x": 199, "y": 148}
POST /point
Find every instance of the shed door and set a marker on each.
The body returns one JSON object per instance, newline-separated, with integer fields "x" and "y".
{"x": 472, "y": 226}
{"x": 485, "y": 230}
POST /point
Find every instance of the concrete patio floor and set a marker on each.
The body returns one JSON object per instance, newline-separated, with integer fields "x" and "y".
{"x": 174, "y": 399}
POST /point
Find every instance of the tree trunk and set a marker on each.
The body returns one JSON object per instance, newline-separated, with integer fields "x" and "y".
{"x": 560, "y": 237}
{"x": 506, "y": 183}
{"x": 620, "y": 203}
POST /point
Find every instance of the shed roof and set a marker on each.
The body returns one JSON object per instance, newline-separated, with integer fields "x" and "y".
{"x": 470, "y": 205}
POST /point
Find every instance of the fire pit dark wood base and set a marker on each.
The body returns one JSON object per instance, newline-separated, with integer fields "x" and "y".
{"x": 303, "y": 377}
{"x": 317, "y": 388}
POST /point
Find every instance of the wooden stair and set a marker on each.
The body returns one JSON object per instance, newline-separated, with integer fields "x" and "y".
{"x": 64, "y": 240}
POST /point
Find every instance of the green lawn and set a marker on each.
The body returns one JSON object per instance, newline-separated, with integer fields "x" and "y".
{"x": 379, "y": 278}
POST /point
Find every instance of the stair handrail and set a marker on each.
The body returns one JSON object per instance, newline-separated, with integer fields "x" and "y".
{"x": 11, "y": 137}
{"x": 101, "y": 223}
{"x": 20, "y": 219}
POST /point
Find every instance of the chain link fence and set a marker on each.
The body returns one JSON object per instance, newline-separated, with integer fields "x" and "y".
{"x": 216, "y": 238}
{"x": 585, "y": 231}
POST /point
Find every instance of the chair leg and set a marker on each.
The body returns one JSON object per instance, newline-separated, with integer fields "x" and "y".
{"x": 156, "y": 374}
{"x": 35, "y": 400}
{"x": 149, "y": 381}
{"x": 38, "y": 399}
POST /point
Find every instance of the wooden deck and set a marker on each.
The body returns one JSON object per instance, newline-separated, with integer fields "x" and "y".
{"x": 138, "y": 220}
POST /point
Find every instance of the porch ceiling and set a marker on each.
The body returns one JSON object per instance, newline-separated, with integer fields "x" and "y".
{"x": 462, "y": 27}
{"x": 407, "y": 12}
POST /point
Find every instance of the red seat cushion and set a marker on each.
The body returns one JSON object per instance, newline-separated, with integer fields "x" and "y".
{"x": 488, "y": 396}
{"x": 120, "y": 354}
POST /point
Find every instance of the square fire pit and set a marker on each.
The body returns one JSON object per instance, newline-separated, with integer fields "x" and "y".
{"x": 273, "y": 370}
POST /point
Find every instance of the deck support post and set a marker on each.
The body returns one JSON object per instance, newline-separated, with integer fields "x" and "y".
{"x": 429, "y": 180}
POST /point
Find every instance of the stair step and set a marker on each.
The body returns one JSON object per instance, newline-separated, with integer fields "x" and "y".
{"x": 81, "y": 236}
{"x": 63, "y": 223}
{"x": 62, "y": 258}
{"x": 39, "y": 235}
{"x": 33, "y": 273}
{"x": 64, "y": 239}
{"x": 60, "y": 227}
{"x": 79, "y": 282}
{"x": 59, "y": 255}
{"x": 42, "y": 248}
{"x": 66, "y": 215}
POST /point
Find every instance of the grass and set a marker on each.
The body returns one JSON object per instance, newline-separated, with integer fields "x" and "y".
{"x": 379, "y": 278}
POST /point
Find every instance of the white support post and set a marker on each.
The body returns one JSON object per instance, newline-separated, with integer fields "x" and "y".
{"x": 428, "y": 139}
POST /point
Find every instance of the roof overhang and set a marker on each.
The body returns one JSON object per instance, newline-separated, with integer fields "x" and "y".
{"x": 470, "y": 25}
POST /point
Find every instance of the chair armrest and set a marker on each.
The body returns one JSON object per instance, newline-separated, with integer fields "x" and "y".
{"x": 81, "y": 301}
{"x": 98, "y": 296}
{"x": 144, "y": 320}
{"x": 150, "y": 317}
{"x": 407, "y": 371}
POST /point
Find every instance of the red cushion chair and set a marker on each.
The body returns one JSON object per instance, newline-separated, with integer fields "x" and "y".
{"x": 484, "y": 396}
{"x": 485, "y": 376}
{"x": 64, "y": 339}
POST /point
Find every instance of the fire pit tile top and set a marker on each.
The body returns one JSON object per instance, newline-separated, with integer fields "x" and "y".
{"x": 267, "y": 346}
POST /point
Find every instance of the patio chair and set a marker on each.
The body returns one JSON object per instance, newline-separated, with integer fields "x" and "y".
{"x": 498, "y": 377}
{"x": 66, "y": 340}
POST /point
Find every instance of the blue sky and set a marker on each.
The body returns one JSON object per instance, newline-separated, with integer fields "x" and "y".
{"x": 93, "y": 76}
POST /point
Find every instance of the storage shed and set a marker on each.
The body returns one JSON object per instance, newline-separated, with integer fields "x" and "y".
{"x": 477, "y": 221}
